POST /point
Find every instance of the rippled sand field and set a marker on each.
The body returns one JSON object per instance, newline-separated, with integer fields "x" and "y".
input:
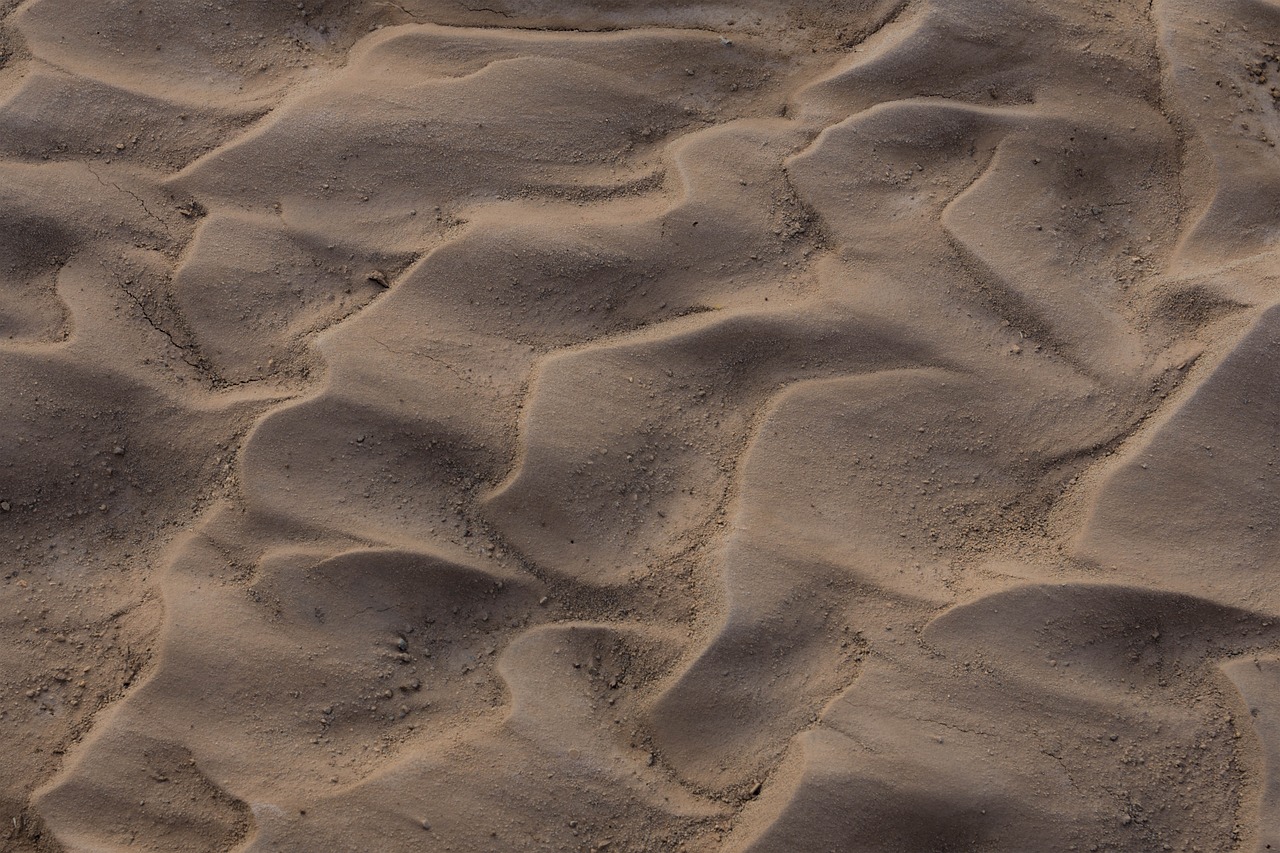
{"x": 639, "y": 426}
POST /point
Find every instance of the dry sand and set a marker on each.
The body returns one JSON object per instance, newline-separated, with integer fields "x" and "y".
{"x": 639, "y": 426}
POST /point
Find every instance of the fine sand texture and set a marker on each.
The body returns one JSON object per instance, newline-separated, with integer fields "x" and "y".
{"x": 637, "y": 425}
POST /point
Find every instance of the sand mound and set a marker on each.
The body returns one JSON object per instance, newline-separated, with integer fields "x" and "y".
{"x": 639, "y": 426}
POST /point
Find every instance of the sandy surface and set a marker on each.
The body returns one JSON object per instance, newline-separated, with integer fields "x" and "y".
{"x": 639, "y": 426}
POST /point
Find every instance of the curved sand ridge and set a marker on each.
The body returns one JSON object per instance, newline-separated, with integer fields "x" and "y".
{"x": 634, "y": 426}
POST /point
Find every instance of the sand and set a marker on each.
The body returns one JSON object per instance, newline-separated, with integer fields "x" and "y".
{"x": 639, "y": 426}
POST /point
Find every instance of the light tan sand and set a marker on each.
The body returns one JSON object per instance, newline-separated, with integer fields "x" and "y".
{"x": 639, "y": 426}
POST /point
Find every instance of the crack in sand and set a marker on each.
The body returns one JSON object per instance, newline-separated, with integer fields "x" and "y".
{"x": 185, "y": 350}
{"x": 488, "y": 9}
{"x": 133, "y": 195}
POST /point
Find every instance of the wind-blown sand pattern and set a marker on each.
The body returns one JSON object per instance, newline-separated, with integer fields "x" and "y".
{"x": 640, "y": 426}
